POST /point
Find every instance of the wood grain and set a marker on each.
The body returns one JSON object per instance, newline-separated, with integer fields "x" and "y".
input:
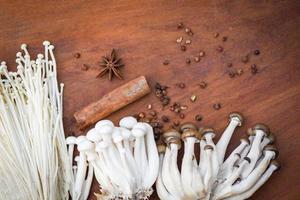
{"x": 144, "y": 34}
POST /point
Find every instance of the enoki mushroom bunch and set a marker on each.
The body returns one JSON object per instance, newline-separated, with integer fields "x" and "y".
{"x": 245, "y": 170}
{"x": 125, "y": 159}
{"x": 33, "y": 160}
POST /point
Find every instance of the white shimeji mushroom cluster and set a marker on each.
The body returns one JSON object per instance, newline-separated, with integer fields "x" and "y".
{"x": 124, "y": 159}
{"x": 33, "y": 160}
{"x": 245, "y": 170}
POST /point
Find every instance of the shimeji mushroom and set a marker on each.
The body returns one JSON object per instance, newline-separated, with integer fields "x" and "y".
{"x": 245, "y": 170}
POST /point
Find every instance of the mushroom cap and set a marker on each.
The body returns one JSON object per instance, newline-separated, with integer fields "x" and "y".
{"x": 272, "y": 138}
{"x": 187, "y": 126}
{"x": 140, "y": 125}
{"x": 117, "y": 135}
{"x": 80, "y": 138}
{"x": 238, "y": 116}
{"x": 276, "y": 163}
{"x": 262, "y": 127}
{"x": 271, "y": 148}
{"x": 246, "y": 140}
{"x": 100, "y": 146}
{"x": 250, "y": 132}
{"x": 93, "y": 135}
{"x": 208, "y": 131}
{"x": 85, "y": 145}
{"x": 101, "y": 123}
{"x": 208, "y": 147}
{"x": 105, "y": 129}
{"x": 176, "y": 141}
{"x": 169, "y": 134}
{"x": 138, "y": 132}
{"x": 71, "y": 140}
{"x": 125, "y": 133}
{"x": 191, "y": 133}
{"x": 127, "y": 122}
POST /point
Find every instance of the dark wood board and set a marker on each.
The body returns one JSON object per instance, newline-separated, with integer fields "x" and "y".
{"x": 144, "y": 34}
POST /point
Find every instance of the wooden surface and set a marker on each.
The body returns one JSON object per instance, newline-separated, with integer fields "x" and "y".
{"x": 144, "y": 34}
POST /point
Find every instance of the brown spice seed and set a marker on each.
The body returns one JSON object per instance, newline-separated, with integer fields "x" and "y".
{"x": 197, "y": 58}
{"x": 224, "y": 39}
{"x": 85, "y": 67}
{"x": 203, "y": 84}
{"x": 176, "y": 123}
{"x": 149, "y": 106}
{"x": 229, "y": 65}
{"x": 216, "y": 35}
{"x": 239, "y": 72}
{"x": 179, "y": 40}
{"x": 198, "y": 117}
{"x": 77, "y": 55}
{"x": 165, "y": 118}
{"x": 152, "y": 113}
{"x": 193, "y": 98}
{"x": 180, "y": 85}
{"x": 231, "y": 74}
{"x": 188, "y": 61}
{"x": 245, "y": 59}
{"x": 256, "y": 52}
{"x": 201, "y": 53}
{"x": 180, "y": 25}
{"x": 217, "y": 106}
{"x": 183, "y": 48}
{"x": 166, "y": 62}
{"x": 181, "y": 115}
{"x": 220, "y": 49}
{"x": 142, "y": 115}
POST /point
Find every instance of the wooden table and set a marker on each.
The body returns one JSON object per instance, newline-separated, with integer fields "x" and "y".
{"x": 145, "y": 33}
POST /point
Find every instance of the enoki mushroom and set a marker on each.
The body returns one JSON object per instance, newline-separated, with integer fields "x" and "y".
{"x": 34, "y": 162}
{"x": 124, "y": 159}
{"x": 245, "y": 170}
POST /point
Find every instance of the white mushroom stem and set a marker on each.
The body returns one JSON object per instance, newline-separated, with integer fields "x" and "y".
{"x": 71, "y": 141}
{"x": 203, "y": 162}
{"x": 254, "y": 153}
{"x": 214, "y": 157}
{"x": 208, "y": 174}
{"x": 88, "y": 183}
{"x": 262, "y": 180}
{"x": 226, "y": 136}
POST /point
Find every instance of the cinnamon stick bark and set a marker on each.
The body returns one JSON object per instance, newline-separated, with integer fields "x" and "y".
{"x": 113, "y": 101}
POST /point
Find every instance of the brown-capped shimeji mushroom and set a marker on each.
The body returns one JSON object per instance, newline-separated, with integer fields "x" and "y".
{"x": 270, "y": 152}
{"x": 235, "y": 119}
{"x": 190, "y": 174}
{"x": 170, "y": 173}
{"x": 259, "y": 131}
{"x": 274, "y": 166}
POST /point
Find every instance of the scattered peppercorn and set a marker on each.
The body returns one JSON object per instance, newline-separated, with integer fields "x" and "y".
{"x": 239, "y": 72}
{"x": 198, "y": 117}
{"x": 183, "y": 48}
{"x": 188, "y": 61}
{"x": 256, "y": 52}
{"x": 216, "y": 35}
{"x": 77, "y": 55}
{"x": 179, "y": 40}
{"x": 224, "y": 39}
{"x": 180, "y": 25}
{"x": 166, "y": 62}
{"x": 85, "y": 67}
{"x": 165, "y": 118}
{"x": 176, "y": 123}
{"x": 197, "y": 58}
{"x": 245, "y": 59}
{"x": 180, "y": 85}
{"x": 220, "y": 49}
{"x": 193, "y": 98}
{"x": 229, "y": 65}
{"x": 231, "y": 74}
{"x": 152, "y": 113}
{"x": 217, "y": 106}
{"x": 181, "y": 115}
{"x": 142, "y": 115}
{"x": 201, "y": 53}
{"x": 203, "y": 84}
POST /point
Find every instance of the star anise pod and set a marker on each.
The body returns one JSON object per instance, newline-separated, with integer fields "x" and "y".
{"x": 111, "y": 65}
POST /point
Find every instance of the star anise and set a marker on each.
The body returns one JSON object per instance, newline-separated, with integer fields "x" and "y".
{"x": 111, "y": 65}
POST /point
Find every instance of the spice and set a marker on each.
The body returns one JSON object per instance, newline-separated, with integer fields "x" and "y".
{"x": 85, "y": 67}
{"x": 231, "y": 74}
{"x": 203, "y": 84}
{"x": 188, "y": 31}
{"x": 188, "y": 61}
{"x": 142, "y": 115}
{"x": 188, "y": 41}
{"x": 197, "y": 58}
{"x": 183, "y": 48}
{"x": 111, "y": 65}
{"x": 183, "y": 107}
{"x": 152, "y": 113}
{"x": 239, "y": 72}
{"x": 193, "y": 98}
{"x": 179, "y": 40}
{"x": 245, "y": 59}
{"x": 166, "y": 62}
{"x": 161, "y": 93}
{"x": 256, "y": 52}
{"x": 201, "y": 53}
{"x": 220, "y": 49}
{"x": 181, "y": 115}
{"x": 254, "y": 69}
{"x": 216, "y": 35}
{"x": 180, "y": 25}
{"x": 176, "y": 123}
{"x": 217, "y": 106}
{"x": 165, "y": 118}
{"x": 77, "y": 55}
{"x": 198, "y": 117}
{"x": 229, "y": 65}
{"x": 180, "y": 85}
{"x": 149, "y": 106}
{"x": 224, "y": 39}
